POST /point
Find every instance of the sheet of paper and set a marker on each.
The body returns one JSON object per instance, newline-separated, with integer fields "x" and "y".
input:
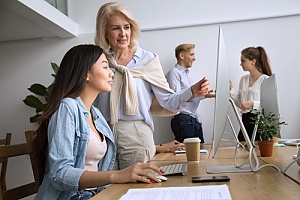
{"x": 210, "y": 192}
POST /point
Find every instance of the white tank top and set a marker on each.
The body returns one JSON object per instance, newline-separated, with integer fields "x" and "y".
{"x": 95, "y": 151}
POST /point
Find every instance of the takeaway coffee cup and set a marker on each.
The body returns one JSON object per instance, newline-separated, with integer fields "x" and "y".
{"x": 192, "y": 148}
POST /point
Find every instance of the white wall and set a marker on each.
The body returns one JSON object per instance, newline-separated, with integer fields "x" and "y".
{"x": 166, "y": 24}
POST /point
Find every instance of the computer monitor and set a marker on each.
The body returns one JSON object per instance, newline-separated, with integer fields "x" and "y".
{"x": 222, "y": 94}
{"x": 298, "y": 159}
{"x": 269, "y": 98}
{"x": 222, "y": 101}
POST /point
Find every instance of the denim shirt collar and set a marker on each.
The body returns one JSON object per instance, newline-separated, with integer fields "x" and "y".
{"x": 85, "y": 111}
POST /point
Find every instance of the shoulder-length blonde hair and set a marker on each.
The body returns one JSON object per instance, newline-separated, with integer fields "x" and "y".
{"x": 104, "y": 14}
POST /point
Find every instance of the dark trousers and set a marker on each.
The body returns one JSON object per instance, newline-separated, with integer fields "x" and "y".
{"x": 249, "y": 126}
{"x": 185, "y": 126}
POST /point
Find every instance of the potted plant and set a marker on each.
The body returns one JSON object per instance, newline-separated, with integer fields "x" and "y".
{"x": 267, "y": 127}
{"x": 39, "y": 90}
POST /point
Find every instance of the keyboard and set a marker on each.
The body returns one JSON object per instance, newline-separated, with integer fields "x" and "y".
{"x": 178, "y": 168}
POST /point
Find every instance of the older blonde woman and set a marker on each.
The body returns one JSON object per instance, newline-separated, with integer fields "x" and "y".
{"x": 139, "y": 81}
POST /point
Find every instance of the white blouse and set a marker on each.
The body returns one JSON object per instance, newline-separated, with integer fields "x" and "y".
{"x": 246, "y": 93}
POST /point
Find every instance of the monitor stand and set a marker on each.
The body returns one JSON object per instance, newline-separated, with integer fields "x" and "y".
{"x": 227, "y": 169}
{"x": 252, "y": 163}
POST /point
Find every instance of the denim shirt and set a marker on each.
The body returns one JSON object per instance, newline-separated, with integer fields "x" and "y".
{"x": 68, "y": 137}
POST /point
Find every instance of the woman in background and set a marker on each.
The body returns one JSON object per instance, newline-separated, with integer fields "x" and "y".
{"x": 138, "y": 80}
{"x": 74, "y": 147}
{"x": 256, "y": 62}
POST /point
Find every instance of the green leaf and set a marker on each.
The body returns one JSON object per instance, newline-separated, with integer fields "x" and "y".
{"x": 55, "y": 68}
{"x": 48, "y": 92}
{"x": 40, "y": 108}
{"x": 34, "y": 102}
{"x": 267, "y": 125}
{"x": 35, "y": 118}
{"x": 38, "y": 89}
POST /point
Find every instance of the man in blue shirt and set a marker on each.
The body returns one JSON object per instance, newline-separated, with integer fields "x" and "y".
{"x": 186, "y": 124}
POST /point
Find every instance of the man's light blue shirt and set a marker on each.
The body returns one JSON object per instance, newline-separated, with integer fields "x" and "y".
{"x": 179, "y": 79}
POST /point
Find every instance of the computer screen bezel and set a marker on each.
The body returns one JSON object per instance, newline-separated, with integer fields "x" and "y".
{"x": 222, "y": 94}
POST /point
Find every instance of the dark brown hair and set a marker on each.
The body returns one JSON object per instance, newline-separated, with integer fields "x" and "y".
{"x": 69, "y": 82}
{"x": 260, "y": 55}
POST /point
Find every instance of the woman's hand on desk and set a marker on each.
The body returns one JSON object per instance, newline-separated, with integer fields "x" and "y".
{"x": 170, "y": 147}
{"x": 142, "y": 172}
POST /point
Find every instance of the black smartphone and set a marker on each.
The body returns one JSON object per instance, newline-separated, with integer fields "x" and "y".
{"x": 203, "y": 179}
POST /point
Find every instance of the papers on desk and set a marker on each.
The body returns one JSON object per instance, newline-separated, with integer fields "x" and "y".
{"x": 290, "y": 142}
{"x": 209, "y": 192}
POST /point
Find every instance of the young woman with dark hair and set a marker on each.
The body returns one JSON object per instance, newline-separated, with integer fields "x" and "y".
{"x": 74, "y": 146}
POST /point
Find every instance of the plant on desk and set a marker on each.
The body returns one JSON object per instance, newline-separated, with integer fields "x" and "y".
{"x": 267, "y": 128}
{"x": 40, "y": 91}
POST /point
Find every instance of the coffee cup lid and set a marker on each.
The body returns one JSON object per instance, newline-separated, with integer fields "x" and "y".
{"x": 190, "y": 140}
